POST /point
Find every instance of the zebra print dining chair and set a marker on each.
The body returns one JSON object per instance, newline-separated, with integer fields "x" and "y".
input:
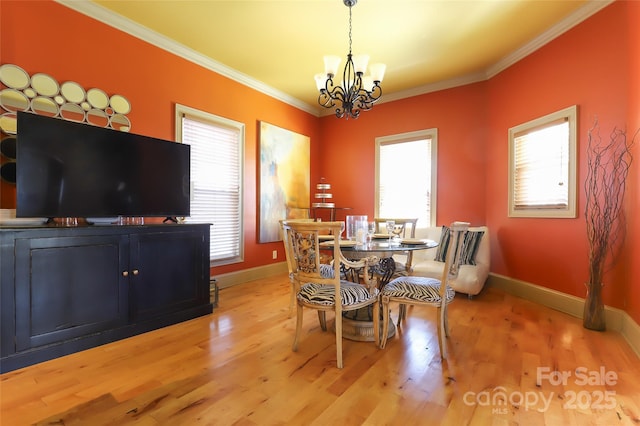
{"x": 424, "y": 291}
{"x": 318, "y": 291}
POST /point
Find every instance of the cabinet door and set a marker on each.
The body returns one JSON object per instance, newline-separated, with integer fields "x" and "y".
{"x": 68, "y": 287}
{"x": 167, "y": 272}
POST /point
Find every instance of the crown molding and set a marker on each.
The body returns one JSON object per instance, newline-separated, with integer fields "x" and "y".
{"x": 435, "y": 87}
{"x": 589, "y": 9}
{"x": 126, "y": 25}
{"x": 100, "y": 13}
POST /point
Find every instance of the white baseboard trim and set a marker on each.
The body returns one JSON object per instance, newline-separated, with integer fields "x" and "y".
{"x": 631, "y": 332}
{"x": 239, "y": 277}
{"x": 617, "y": 319}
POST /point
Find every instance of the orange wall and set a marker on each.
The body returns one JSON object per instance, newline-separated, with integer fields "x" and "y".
{"x": 69, "y": 46}
{"x": 347, "y": 156}
{"x": 631, "y": 295}
{"x": 587, "y": 66}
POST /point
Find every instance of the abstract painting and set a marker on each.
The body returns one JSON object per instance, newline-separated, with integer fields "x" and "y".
{"x": 284, "y": 179}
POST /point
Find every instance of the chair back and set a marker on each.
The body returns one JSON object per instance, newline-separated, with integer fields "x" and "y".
{"x": 401, "y": 224}
{"x": 304, "y": 253}
{"x": 407, "y": 228}
{"x": 283, "y": 235}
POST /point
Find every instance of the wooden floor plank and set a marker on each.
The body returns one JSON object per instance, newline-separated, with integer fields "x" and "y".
{"x": 236, "y": 367}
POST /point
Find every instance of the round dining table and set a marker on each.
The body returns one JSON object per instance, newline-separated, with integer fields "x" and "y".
{"x": 358, "y": 324}
{"x": 384, "y": 249}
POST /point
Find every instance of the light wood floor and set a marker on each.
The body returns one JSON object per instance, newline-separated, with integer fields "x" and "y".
{"x": 236, "y": 367}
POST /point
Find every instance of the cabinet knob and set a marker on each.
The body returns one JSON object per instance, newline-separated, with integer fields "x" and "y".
{"x": 125, "y": 273}
{"x": 136, "y": 272}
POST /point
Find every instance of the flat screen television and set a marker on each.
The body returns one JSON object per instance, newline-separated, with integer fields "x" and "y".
{"x": 69, "y": 169}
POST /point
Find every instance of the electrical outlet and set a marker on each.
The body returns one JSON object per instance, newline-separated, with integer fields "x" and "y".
{"x": 275, "y": 254}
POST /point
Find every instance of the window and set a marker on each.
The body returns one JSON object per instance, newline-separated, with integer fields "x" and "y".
{"x": 406, "y": 166}
{"x": 216, "y": 179}
{"x": 542, "y": 166}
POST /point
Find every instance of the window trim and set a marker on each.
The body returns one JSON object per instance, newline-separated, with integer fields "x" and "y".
{"x": 569, "y": 114}
{"x": 408, "y": 137}
{"x": 183, "y": 110}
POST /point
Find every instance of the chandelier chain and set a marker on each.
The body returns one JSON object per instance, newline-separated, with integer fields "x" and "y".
{"x": 350, "y": 29}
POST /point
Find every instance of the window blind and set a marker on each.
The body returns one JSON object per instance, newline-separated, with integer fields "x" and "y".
{"x": 541, "y": 167}
{"x": 216, "y": 184}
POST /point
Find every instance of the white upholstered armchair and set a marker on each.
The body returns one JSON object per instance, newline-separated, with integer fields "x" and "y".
{"x": 471, "y": 278}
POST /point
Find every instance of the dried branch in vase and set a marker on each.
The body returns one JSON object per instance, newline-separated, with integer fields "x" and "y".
{"x": 607, "y": 170}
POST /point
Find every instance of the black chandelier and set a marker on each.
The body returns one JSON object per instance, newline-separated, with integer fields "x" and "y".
{"x": 357, "y": 92}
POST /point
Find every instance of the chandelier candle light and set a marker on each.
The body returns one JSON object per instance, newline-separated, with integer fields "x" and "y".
{"x": 357, "y": 92}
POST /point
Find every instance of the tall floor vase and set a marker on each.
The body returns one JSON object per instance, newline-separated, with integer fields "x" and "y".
{"x": 594, "y": 317}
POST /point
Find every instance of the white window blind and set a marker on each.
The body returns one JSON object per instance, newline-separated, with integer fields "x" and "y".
{"x": 216, "y": 181}
{"x": 406, "y": 176}
{"x": 541, "y": 165}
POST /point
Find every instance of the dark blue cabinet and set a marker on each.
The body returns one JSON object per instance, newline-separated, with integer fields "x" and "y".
{"x": 69, "y": 289}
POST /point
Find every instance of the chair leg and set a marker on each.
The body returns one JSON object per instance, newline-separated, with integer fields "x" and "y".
{"x": 441, "y": 332}
{"x": 385, "y": 321}
{"x": 402, "y": 313}
{"x": 292, "y": 299}
{"x": 298, "y": 328}
{"x": 446, "y": 321}
{"x": 322, "y": 317}
{"x": 338, "y": 339}
{"x": 376, "y": 322}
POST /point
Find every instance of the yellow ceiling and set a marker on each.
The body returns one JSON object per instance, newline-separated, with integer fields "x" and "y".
{"x": 426, "y": 44}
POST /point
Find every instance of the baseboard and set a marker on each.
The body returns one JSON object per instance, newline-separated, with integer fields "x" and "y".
{"x": 239, "y": 277}
{"x": 617, "y": 319}
{"x": 631, "y": 332}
